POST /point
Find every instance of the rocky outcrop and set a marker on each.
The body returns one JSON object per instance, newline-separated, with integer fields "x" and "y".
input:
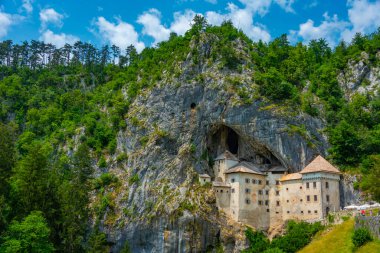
{"x": 172, "y": 135}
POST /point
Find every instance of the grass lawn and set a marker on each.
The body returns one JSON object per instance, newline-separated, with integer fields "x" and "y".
{"x": 338, "y": 240}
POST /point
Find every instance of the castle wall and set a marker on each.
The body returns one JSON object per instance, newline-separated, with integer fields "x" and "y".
{"x": 275, "y": 208}
{"x": 223, "y": 197}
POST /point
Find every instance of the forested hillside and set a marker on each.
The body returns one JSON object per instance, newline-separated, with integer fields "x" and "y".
{"x": 61, "y": 110}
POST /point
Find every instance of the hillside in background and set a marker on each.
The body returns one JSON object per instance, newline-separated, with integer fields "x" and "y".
{"x": 100, "y": 149}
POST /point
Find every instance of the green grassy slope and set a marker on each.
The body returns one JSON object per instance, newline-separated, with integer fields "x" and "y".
{"x": 338, "y": 240}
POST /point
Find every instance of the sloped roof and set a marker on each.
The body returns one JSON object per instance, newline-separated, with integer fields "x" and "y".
{"x": 292, "y": 176}
{"x": 220, "y": 184}
{"x": 278, "y": 168}
{"x": 227, "y": 155}
{"x": 245, "y": 167}
{"x": 319, "y": 164}
{"x": 204, "y": 175}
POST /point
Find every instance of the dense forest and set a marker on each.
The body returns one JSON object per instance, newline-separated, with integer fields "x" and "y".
{"x": 50, "y": 94}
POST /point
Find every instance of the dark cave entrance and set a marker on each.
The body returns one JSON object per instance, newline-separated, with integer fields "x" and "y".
{"x": 232, "y": 141}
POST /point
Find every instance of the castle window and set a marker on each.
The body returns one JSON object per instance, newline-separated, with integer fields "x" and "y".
{"x": 277, "y": 193}
{"x": 308, "y": 197}
{"x": 217, "y": 190}
{"x": 247, "y": 180}
{"x": 277, "y": 203}
{"x": 277, "y": 182}
{"x": 247, "y": 190}
{"x": 260, "y": 202}
{"x": 287, "y": 189}
{"x": 267, "y": 202}
{"x": 307, "y": 185}
{"x": 300, "y": 187}
{"x": 267, "y": 182}
{"x": 259, "y": 181}
{"x": 301, "y": 200}
{"x": 309, "y": 211}
{"x": 247, "y": 201}
{"x": 233, "y": 180}
{"x": 315, "y": 211}
{"x": 266, "y": 192}
{"x": 328, "y": 198}
{"x": 287, "y": 201}
{"x": 301, "y": 212}
{"x": 314, "y": 185}
{"x": 327, "y": 185}
{"x": 227, "y": 191}
{"x": 221, "y": 191}
{"x": 315, "y": 198}
{"x": 267, "y": 210}
{"x": 253, "y": 181}
{"x": 287, "y": 211}
{"x": 277, "y": 212}
{"x": 260, "y": 192}
{"x": 232, "y": 190}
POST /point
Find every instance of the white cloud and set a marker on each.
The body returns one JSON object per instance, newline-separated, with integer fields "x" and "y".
{"x": 182, "y": 21}
{"x": 120, "y": 33}
{"x": 27, "y": 6}
{"x": 6, "y": 21}
{"x": 242, "y": 19}
{"x": 364, "y": 17}
{"x": 59, "y": 40}
{"x": 50, "y": 16}
{"x": 151, "y": 21}
{"x": 329, "y": 29}
{"x": 286, "y": 5}
{"x": 212, "y": 1}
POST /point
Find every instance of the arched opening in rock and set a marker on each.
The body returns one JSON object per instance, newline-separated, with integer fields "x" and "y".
{"x": 222, "y": 138}
{"x": 193, "y": 105}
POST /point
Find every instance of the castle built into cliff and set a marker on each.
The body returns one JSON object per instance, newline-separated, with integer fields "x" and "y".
{"x": 264, "y": 197}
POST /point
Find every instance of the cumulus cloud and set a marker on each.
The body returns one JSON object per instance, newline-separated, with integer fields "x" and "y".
{"x": 59, "y": 40}
{"x": 120, "y": 33}
{"x": 182, "y": 21}
{"x": 50, "y": 16}
{"x": 27, "y": 6}
{"x": 330, "y": 29}
{"x": 6, "y": 21}
{"x": 242, "y": 19}
{"x": 286, "y": 5}
{"x": 364, "y": 17}
{"x": 151, "y": 21}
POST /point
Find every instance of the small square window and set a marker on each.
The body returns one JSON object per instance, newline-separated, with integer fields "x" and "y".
{"x": 301, "y": 200}
{"x": 221, "y": 190}
{"x": 314, "y": 185}
{"x": 259, "y": 181}
{"x": 233, "y": 180}
{"x": 267, "y": 182}
{"x": 260, "y": 192}
{"x": 266, "y": 192}
{"x": 247, "y": 190}
{"x": 301, "y": 187}
{"x": 327, "y": 185}
{"x": 309, "y": 211}
{"x": 277, "y": 203}
{"x": 287, "y": 211}
{"x": 277, "y": 182}
{"x": 307, "y": 185}
{"x": 247, "y": 201}
{"x": 327, "y": 198}
{"x": 267, "y": 210}
{"x": 315, "y": 211}
{"x": 267, "y": 202}
{"x": 287, "y": 201}
{"x": 260, "y": 202}
{"x": 253, "y": 181}
{"x": 287, "y": 189}
{"x": 301, "y": 212}
{"x": 277, "y": 212}
{"x": 308, "y": 197}
{"x": 315, "y": 198}
{"x": 277, "y": 193}
{"x": 247, "y": 180}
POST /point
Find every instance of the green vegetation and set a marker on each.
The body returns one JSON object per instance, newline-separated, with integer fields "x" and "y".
{"x": 361, "y": 236}
{"x": 297, "y": 236}
{"x": 339, "y": 239}
{"x": 61, "y": 110}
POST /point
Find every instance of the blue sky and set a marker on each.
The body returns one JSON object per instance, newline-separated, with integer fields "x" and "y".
{"x": 145, "y": 23}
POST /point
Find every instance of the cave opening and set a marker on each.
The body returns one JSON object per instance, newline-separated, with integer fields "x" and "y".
{"x": 232, "y": 141}
{"x": 193, "y": 105}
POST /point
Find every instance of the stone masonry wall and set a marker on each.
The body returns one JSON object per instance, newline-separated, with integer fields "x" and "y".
{"x": 372, "y": 223}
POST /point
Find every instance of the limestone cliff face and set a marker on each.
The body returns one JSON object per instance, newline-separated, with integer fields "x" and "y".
{"x": 174, "y": 131}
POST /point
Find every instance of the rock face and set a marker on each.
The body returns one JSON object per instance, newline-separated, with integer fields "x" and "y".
{"x": 174, "y": 131}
